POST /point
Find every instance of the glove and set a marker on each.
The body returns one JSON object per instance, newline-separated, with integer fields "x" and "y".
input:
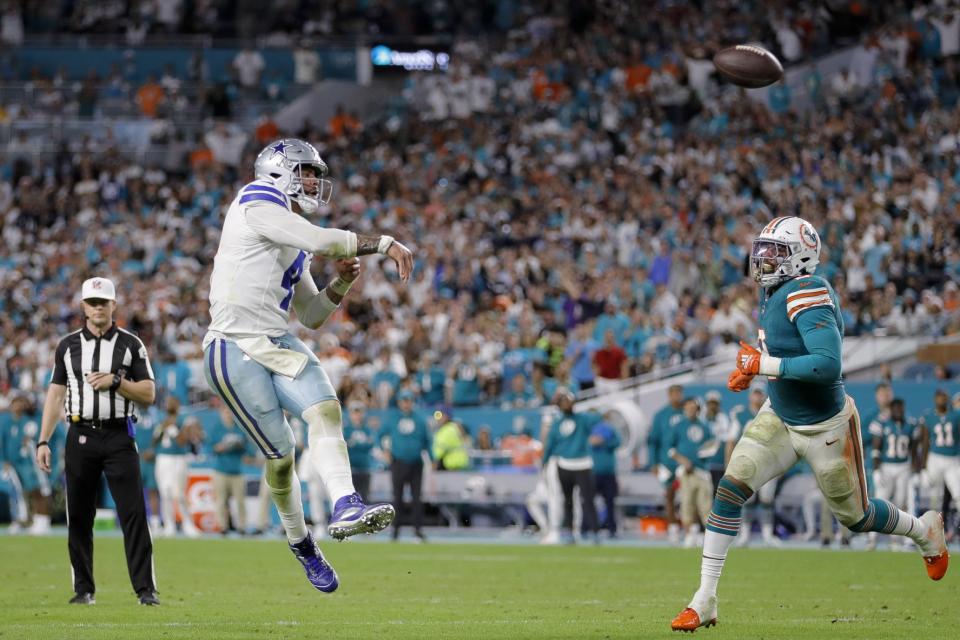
{"x": 751, "y": 361}
{"x": 738, "y": 381}
{"x": 748, "y": 359}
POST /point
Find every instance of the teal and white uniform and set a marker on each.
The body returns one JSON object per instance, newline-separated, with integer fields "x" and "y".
{"x": 892, "y": 478}
{"x": 661, "y": 433}
{"x": 20, "y": 446}
{"x": 808, "y": 414}
{"x": 943, "y": 462}
{"x": 689, "y": 439}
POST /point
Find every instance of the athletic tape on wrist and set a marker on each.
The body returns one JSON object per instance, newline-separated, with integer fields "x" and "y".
{"x": 384, "y": 246}
{"x": 340, "y": 286}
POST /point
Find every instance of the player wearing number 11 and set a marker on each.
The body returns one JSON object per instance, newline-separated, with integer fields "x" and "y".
{"x": 258, "y": 367}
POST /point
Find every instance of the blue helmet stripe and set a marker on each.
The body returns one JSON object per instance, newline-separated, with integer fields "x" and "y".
{"x": 255, "y": 197}
{"x": 253, "y": 186}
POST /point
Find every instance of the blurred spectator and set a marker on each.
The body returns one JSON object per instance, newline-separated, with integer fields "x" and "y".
{"x": 149, "y": 96}
{"x": 306, "y": 64}
{"x": 610, "y": 364}
{"x": 248, "y": 64}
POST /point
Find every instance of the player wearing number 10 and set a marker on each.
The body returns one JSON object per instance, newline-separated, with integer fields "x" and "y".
{"x": 808, "y": 415}
{"x": 258, "y": 367}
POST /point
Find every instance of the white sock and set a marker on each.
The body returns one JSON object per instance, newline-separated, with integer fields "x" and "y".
{"x": 287, "y": 497}
{"x": 766, "y": 530}
{"x": 715, "y": 546}
{"x": 328, "y": 450}
{"x": 333, "y": 464}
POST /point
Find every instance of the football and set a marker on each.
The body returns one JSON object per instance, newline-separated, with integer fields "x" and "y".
{"x": 748, "y": 65}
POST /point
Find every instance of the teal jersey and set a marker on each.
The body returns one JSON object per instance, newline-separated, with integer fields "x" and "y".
{"x": 235, "y": 446}
{"x": 407, "y": 437}
{"x": 569, "y": 436}
{"x": 431, "y": 384}
{"x": 691, "y": 439}
{"x": 605, "y": 454}
{"x": 896, "y": 438}
{"x": 944, "y": 432}
{"x": 661, "y": 432}
{"x": 800, "y": 323}
{"x": 20, "y": 441}
{"x": 168, "y": 441}
{"x": 360, "y": 440}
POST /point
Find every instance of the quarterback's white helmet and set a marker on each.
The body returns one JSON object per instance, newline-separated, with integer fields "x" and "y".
{"x": 282, "y": 161}
{"x": 786, "y": 248}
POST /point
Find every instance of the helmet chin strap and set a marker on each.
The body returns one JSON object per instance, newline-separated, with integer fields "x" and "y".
{"x": 307, "y": 204}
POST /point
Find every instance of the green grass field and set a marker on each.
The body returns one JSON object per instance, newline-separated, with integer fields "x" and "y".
{"x": 238, "y": 589}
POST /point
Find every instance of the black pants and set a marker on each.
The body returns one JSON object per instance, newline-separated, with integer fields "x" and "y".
{"x": 608, "y": 489}
{"x": 403, "y": 474}
{"x": 584, "y": 480}
{"x": 361, "y": 482}
{"x": 90, "y": 453}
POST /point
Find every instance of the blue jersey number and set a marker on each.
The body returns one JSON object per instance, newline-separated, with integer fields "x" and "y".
{"x": 291, "y": 277}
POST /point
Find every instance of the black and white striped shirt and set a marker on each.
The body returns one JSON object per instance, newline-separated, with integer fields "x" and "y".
{"x": 117, "y": 351}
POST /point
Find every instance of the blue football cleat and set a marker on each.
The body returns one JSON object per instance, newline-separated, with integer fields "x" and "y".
{"x": 319, "y": 572}
{"x": 351, "y": 517}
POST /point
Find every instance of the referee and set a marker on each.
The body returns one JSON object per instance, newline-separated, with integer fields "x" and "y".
{"x": 101, "y": 373}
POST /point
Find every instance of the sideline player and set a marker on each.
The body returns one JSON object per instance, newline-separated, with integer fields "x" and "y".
{"x": 259, "y": 368}
{"x": 896, "y": 458}
{"x": 939, "y": 431}
{"x": 807, "y": 416}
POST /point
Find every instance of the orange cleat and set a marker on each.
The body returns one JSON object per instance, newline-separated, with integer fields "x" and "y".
{"x": 935, "y": 554}
{"x": 689, "y": 620}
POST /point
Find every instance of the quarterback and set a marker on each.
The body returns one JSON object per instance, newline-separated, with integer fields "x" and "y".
{"x": 253, "y": 362}
{"x": 807, "y": 416}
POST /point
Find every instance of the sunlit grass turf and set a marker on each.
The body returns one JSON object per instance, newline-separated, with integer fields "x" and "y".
{"x": 236, "y": 589}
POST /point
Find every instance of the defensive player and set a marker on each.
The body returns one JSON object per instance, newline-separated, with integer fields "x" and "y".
{"x": 808, "y": 415}
{"x": 258, "y": 367}
{"x": 895, "y": 459}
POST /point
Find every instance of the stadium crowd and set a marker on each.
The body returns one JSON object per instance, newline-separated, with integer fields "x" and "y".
{"x": 581, "y": 205}
{"x": 576, "y": 218}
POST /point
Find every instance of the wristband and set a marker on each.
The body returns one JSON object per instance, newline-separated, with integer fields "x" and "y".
{"x": 340, "y": 286}
{"x": 769, "y": 366}
{"x": 116, "y": 382}
{"x": 43, "y": 443}
{"x": 385, "y": 244}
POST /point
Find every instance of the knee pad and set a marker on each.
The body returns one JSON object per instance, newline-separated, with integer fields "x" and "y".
{"x": 835, "y": 481}
{"x": 324, "y": 420}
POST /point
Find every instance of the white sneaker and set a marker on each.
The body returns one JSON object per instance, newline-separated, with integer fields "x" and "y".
{"x": 553, "y": 537}
{"x": 673, "y": 533}
{"x": 40, "y": 526}
{"x": 871, "y": 541}
{"x": 15, "y": 528}
{"x": 772, "y": 541}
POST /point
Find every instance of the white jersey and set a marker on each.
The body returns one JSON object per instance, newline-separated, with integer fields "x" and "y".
{"x": 265, "y": 250}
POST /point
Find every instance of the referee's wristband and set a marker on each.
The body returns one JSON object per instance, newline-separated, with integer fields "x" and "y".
{"x": 116, "y": 382}
{"x": 43, "y": 443}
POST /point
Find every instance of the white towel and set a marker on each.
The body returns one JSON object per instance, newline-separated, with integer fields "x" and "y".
{"x": 286, "y": 362}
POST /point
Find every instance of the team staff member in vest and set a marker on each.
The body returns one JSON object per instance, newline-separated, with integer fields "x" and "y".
{"x": 568, "y": 440}
{"x": 100, "y": 375}
{"x": 404, "y": 440}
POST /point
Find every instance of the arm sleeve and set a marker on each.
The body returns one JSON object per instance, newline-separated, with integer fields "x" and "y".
{"x": 284, "y": 227}
{"x": 821, "y": 336}
{"x": 313, "y": 307}
{"x": 59, "y": 368}
{"x": 140, "y": 368}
